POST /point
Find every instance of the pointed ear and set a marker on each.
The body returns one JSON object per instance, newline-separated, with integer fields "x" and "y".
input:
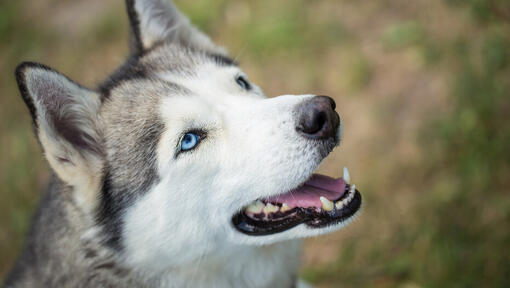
{"x": 158, "y": 21}
{"x": 65, "y": 121}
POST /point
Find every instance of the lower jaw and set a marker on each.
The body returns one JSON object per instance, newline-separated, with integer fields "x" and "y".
{"x": 312, "y": 217}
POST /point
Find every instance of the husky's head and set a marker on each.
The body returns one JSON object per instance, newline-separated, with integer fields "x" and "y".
{"x": 179, "y": 151}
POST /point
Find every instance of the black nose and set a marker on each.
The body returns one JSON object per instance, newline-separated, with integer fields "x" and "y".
{"x": 317, "y": 118}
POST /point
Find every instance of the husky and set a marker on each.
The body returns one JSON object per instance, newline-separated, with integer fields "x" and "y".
{"x": 177, "y": 171}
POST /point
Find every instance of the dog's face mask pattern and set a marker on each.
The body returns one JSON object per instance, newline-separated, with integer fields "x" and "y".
{"x": 179, "y": 148}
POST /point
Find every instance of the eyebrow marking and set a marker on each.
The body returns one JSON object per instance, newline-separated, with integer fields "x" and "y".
{"x": 222, "y": 60}
{"x": 130, "y": 70}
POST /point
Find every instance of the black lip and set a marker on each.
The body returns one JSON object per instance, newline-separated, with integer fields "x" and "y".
{"x": 285, "y": 221}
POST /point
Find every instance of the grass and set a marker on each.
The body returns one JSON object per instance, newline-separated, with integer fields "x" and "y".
{"x": 427, "y": 134}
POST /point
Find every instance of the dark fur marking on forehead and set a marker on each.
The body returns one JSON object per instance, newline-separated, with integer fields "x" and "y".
{"x": 130, "y": 70}
{"x": 134, "y": 69}
{"x": 222, "y": 60}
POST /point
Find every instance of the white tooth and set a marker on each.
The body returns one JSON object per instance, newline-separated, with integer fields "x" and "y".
{"x": 285, "y": 207}
{"x": 346, "y": 176}
{"x": 350, "y": 196}
{"x": 253, "y": 209}
{"x": 326, "y": 204}
{"x": 270, "y": 208}
{"x": 256, "y": 207}
{"x": 351, "y": 193}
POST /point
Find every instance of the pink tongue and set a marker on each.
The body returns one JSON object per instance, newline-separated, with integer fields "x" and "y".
{"x": 308, "y": 194}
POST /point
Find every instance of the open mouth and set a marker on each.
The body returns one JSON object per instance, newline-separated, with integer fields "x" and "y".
{"x": 321, "y": 201}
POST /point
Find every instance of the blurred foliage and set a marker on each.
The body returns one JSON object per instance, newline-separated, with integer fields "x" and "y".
{"x": 404, "y": 34}
{"x": 455, "y": 231}
{"x": 18, "y": 171}
{"x": 410, "y": 34}
{"x": 460, "y": 237}
{"x": 488, "y": 11}
{"x": 471, "y": 145}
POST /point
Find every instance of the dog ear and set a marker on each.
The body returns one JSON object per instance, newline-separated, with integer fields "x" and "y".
{"x": 159, "y": 21}
{"x": 65, "y": 120}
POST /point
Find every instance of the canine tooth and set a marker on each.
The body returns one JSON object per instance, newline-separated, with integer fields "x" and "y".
{"x": 346, "y": 176}
{"x": 326, "y": 204}
{"x": 285, "y": 207}
{"x": 256, "y": 207}
{"x": 270, "y": 208}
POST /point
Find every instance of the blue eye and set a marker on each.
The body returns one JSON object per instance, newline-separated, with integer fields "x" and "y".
{"x": 189, "y": 141}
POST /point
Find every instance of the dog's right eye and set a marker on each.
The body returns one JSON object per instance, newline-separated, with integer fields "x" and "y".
{"x": 189, "y": 141}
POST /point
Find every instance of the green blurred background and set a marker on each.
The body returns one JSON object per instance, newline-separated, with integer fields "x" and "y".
{"x": 423, "y": 89}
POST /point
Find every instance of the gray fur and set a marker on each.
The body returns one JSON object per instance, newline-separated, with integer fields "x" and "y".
{"x": 110, "y": 162}
{"x": 56, "y": 255}
{"x": 56, "y": 252}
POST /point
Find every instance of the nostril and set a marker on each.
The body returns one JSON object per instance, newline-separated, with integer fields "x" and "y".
{"x": 313, "y": 122}
{"x": 317, "y": 118}
{"x": 320, "y": 120}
